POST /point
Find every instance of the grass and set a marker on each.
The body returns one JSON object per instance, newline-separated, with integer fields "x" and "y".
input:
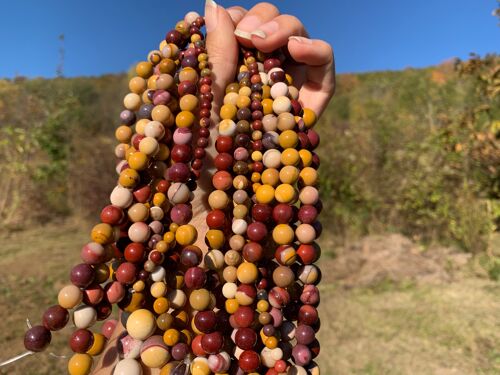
{"x": 444, "y": 329}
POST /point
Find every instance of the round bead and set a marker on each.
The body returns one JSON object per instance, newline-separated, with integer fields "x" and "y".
{"x": 141, "y": 324}
{"x": 55, "y": 318}
{"x": 80, "y": 364}
{"x": 81, "y": 340}
{"x": 154, "y": 353}
{"x": 186, "y": 235}
{"x": 247, "y": 273}
{"x": 37, "y": 338}
{"x": 283, "y": 234}
{"x": 128, "y": 366}
{"x": 84, "y": 316}
{"x": 199, "y": 299}
{"x": 69, "y": 296}
{"x": 249, "y": 361}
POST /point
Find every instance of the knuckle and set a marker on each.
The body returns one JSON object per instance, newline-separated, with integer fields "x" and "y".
{"x": 266, "y": 7}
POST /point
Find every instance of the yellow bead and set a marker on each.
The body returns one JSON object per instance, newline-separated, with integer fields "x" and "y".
{"x": 262, "y": 305}
{"x": 102, "y": 233}
{"x": 243, "y": 101}
{"x": 288, "y": 139}
{"x": 97, "y": 345}
{"x": 228, "y": 111}
{"x": 129, "y": 178}
{"x": 247, "y": 273}
{"x": 266, "y": 93}
{"x": 240, "y": 182}
{"x": 188, "y": 102}
{"x": 245, "y": 91}
{"x": 186, "y": 235}
{"x": 215, "y": 238}
{"x": 135, "y": 303}
{"x": 290, "y": 156}
{"x": 123, "y": 134}
{"x": 255, "y": 177}
{"x": 139, "y": 286}
{"x": 159, "y": 199}
{"x": 141, "y": 324}
{"x": 163, "y": 153}
{"x": 306, "y": 157}
{"x": 200, "y": 367}
{"x": 289, "y": 79}
{"x": 138, "y": 161}
{"x": 137, "y": 85}
{"x": 144, "y": 69}
{"x": 289, "y": 174}
{"x": 256, "y": 186}
{"x": 80, "y": 364}
{"x": 161, "y": 246}
{"x": 285, "y": 193}
{"x": 309, "y": 176}
{"x": 309, "y": 118}
{"x": 256, "y": 156}
{"x": 270, "y": 176}
{"x": 271, "y": 342}
{"x": 264, "y": 194}
{"x": 267, "y": 106}
{"x": 169, "y": 237}
{"x": 161, "y": 305}
{"x": 231, "y": 305}
{"x": 200, "y": 299}
{"x": 171, "y": 336}
{"x": 173, "y": 227}
{"x": 184, "y": 119}
{"x": 283, "y": 234}
{"x": 218, "y": 199}
{"x": 158, "y": 289}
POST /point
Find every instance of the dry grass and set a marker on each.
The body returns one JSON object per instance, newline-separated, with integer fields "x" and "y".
{"x": 445, "y": 329}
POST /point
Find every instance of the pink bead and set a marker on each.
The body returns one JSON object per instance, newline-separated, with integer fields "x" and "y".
{"x": 92, "y": 253}
{"x": 114, "y": 292}
{"x": 139, "y": 232}
{"x": 182, "y": 136}
{"x": 108, "y": 328}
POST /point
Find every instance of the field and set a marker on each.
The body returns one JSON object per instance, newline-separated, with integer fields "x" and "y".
{"x": 441, "y": 327}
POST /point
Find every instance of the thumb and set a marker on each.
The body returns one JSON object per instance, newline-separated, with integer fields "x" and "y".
{"x": 222, "y": 47}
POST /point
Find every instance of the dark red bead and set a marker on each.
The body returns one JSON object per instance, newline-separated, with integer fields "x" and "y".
{"x": 205, "y": 321}
{"x": 257, "y": 231}
{"x": 308, "y": 253}
{"x": 283, "y": 213}
{"x": 103, "y": 310}
{"x": 204, "y": 132}
{"x": 253, "y": 252}
{"x": 313, "y": 138}
{"x": 244, "y": 316}
{"x": 224, "y": 144}
{"x": 216, "y": 219}
{"x": 81, "y": 340}
{"x": 197, "y": 164}
{"x": 212, "y": 342}
{"x": 186, "y": 87}
{"x": 181, "y": 153}
{"x": 174, "y": 36}
{"x": 308, "y": 315}
{"x": 195, "y": 278}
{"x": 82, "y": 275}
{"x": 249, "y": 361}
{"x": 136, "y": 139}
{"x": 271, "y": 63}
{"x": 191, "y": 256}
{"x": 181, "y": 214}
{"x": 223, "y": 161}
{"x": 261, "y": 212}
{"x": 55, "y": 318}
{"x": 199, "y": 152}
{"x": 156, "y": 257}
{"x": 179, "y": 352}
{"x": 304, "y": 334}
{"x": 111, "y": 215}
{"x": 179, "y": 172}
{"x": 37, "y": 338}
{"x": 245, "y": 338}
{"x": 308, "y": 214}
{"x": 126, "y": 273}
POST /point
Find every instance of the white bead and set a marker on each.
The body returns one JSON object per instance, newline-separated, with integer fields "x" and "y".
{"x": 139, "y": 232}
{"x": 121, "y": 197}
{"x": 272, "y": 158}
{"x": 190, "y": 17}
{"x": 128, "y": 366}
{"x": 154, "y": 129}
{"x": 239, "y": 226}
{"x": 229, "y": 290}
{"x": 84, "y": 317}
{"x": 227, "y": 127}
{"x": 293, "y": 92}
{"x": 279, "y": 89}
{"x": 156, "y": 213}
{"x": 281, "y": 105}
{"x": 131, "y": 347}
{"x": 158, "y": 274}
{"x": 120, "y": 165}
{"x": 264, "y": 78}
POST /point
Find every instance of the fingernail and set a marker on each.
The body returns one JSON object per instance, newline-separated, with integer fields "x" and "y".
{"x": 243, "y": 34}
{"x": 301, "y": 39}
{"x": 266, "y": 30}
{"x": 235, "y": 13}
{"x": 211, "y": 14}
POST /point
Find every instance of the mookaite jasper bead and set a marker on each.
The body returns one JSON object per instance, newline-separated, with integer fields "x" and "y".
{"x": 37, "y": 338}
{"x": 80, "y": 364}
{"x": 81, "y": 340}
{"x": 55, "y": 318}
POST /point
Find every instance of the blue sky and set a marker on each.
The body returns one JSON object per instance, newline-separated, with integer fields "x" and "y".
{"x": 109, "y": 36}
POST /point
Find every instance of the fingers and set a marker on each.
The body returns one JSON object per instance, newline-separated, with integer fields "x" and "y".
{"x": 222, "y": 50}
{"x": 319, "y": 85}
{"x": 237, "y": 13}
{"x": 253, "y": 19}
{"x": 274, "y": 34}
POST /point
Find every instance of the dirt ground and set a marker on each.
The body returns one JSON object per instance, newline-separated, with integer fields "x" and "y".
{"x": 388, "y": 305}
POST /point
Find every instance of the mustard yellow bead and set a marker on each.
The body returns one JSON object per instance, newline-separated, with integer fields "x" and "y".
{"x": 245, "y": 90}
{"x": 262, "y": 305}
{"x": 188, "y": 102}
{"x": 228, "y": 111}
{"x": 137, "y": 85}
{"x": 243, "y": 101}
{"x": 215, "y": 238}
{"x": 290, "y": 156}
{"x": 265, "y": 194}
{"x": 123, "y": 134}
{"x": 186, "y": 235}
{"x": 173, "y": 227}
{"x": 288, "y": 138}
{"x": 240, "y": 182}
{"x": 270, "y": 176}
{"x": 200, "y": 367}
{"x": 139, "y": 286}
{"x": 135, "y": 303}
{"x": 247, "y": 272}
{"x": 80, "y": 364}
{"x": 184, "y": 119}
{"x": 271, "y": 342}
{"x": 218, "y": 199}
{"x": 97, "y": 345}
{"x": 309, "y": 176}
{"x": 163, "y": 152}
{"x": 267, "y": 106}
{"x": 283, "y": 234}
{"x": 200, "y": 299}
{"x": 266, "y": 94}
{"x": 158, "y": 289}
{"x": 256, "y": 186}
{"x": 129, "y": 178}
{"x": 102, "y": 233}
{"x": 309, "y": 118}
{"x": 231, "y": 305}
{"x": 171, "y": 336}
{"x": 305, "y": 157}
{"x": 285, "y": 193}
{"x": 161, "y": 305}
{"x": 289, "y": 79}
{"x": 159, "y": 199}
{"x": 256, "y": 156}
{"x": 161, "y": 246}
{"x": 138, "y": 161}
{"x": 186, "y": 336}
{"x": 289, "y": 174}
{"x": 169, "y": 237}
{"x": 255, "y": 177}
{"x": 144, "y": 69}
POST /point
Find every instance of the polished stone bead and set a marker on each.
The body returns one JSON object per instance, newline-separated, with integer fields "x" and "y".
{"x": 37, "y": 338}
{"x": 55, "y": 318}
{"x": 81, "y": 340}
{"x": 82, "y": 275}
{"x": 212, "y": 342}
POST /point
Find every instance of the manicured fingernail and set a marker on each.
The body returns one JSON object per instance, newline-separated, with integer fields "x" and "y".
{"x": 266, "y": 30}
{"x": 301, "y": 39}
{"x": 242, "y": 34}
{"x": 236, "y": 14}
{"x": 211, "y": 15}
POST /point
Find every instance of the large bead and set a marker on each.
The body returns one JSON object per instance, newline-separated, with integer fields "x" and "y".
{"x": 37, "y": 338}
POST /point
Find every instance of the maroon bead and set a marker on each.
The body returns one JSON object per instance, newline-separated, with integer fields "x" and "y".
{"x": 81, "y": 340}
{"x": 201, "y": 142}
{"x": 195, "y": 278}
{"x": 181, "y": 214}
{"x": 189, "y": 61}
{"x": 174, "y": 36}
{"x": 181, "y": 153}
{"x": 186, "y": 87}
{"x": 204, "y": 132}
{"x": 257, "y": 231}
{"x": 212, "y": 342}
{"x": 179, "y": 352}
{"x": 126, "y": 273}
{"x": 244, "y": 316}
{"x": 296, "y": 107}
{"x": 55, "y": 318}
{"x": 82, "y": 275}
{"x": 191, "y": 256}
{"x": 224, "y": 144}
{"x": 271, "y": 63}
{"x": 249, "y": 361}
{"x": 261, "y": 212}
{"x": 307, "y": 214}
{"x": 253, "y": 252}
{"x": 37, "y": 338}
{"x": 223, "y": 161}
{"x": 197, "y": 164}
{"x": 245, "y": 338}
{"x": 313, "y": 138}
{"x": 103, "y": 310}
{"x": 283, "y": 213}
{"x": 301, "y": 355}
{"x": 111, "y": 215}
{"x": 179, "y": 172}
{"x": 278, "y": 76}
{"x": 134, "y": 252}
{"x": 308, "y": 315}
{"x": 156, "y": 257}
{"x": 205, "y": 321}
{"x": 216, "y": 219}
{"x": 304, "y": 334}
{"x": 199, "y": 152}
